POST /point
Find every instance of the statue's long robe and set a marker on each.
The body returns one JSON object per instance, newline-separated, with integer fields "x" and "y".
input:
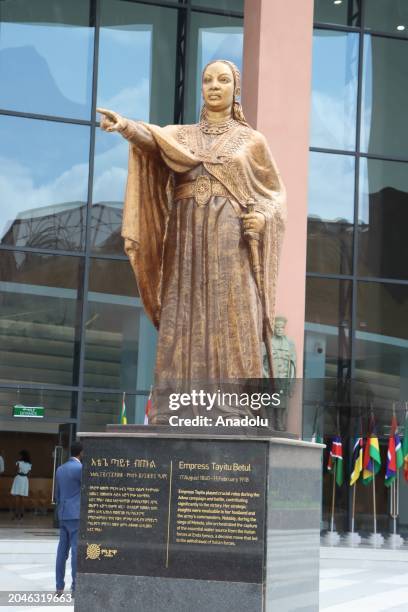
{"x": 192, "y": 263}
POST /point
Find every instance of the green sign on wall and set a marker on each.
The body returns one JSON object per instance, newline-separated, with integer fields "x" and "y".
{"x": 34, "y": 412}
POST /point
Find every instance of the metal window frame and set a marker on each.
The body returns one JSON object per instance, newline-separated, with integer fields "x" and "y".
{"x": 78, "y": 388}
{"x": 354, "y": 277}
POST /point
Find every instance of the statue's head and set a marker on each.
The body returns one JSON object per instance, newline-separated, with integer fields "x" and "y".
{"x": 280, "y": 324}
{"x": 221, "y": 89}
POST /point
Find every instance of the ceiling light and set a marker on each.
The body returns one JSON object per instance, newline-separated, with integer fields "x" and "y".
{"x": 338, "y": 1}
{"x": 401, "y": 28}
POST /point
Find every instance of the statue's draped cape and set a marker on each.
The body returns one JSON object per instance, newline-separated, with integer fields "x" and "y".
{"x": 240, "y": 161}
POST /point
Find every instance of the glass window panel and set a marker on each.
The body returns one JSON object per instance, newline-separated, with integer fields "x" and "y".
{"x": 120, "y": 341}
{"x": 385, "y": 16}
{"x": 101, "y": 409}
{"x": 383, "y": 212}
{"x": 56, "y": 404}
{"x": 331, "y": 213}
{"x": 39, "y": 321}
{"x": 110, "y": 174}
{"x": 211, "y": 37}
{"x": 340, "y": 12}
{"x": 334, "y": 90}
{"x": 226, "y": 5}
{"x": 327, "y": 328}
{"x": 46, "y": 54}
{"x": 43, "y": 183}
{"x": 381, "y": 343}
{"x": 137, "y": 60}
{"x": 384, "y": 129}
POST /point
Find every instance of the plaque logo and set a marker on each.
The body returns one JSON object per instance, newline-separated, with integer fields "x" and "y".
{"x": 93, "y": 551}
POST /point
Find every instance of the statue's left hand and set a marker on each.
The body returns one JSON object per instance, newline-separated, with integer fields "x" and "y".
{"x": 254, "y": 223}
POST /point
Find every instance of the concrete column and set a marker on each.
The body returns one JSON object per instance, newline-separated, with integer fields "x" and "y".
{"x": 276, "y": 101}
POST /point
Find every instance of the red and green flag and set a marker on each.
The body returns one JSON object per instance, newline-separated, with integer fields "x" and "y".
{"x": 405, "y": 448}
{"x": 357, "y": 458}
{"x": 395, "y": 458}
{"x": 335, "y": 463}
{"x": 372, "y": 457}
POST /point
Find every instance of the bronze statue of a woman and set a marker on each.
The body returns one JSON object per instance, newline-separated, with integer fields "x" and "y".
{"x": 203, "y": 224}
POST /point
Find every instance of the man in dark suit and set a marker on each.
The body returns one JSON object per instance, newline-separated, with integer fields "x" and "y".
{"x": 68, "y": 494}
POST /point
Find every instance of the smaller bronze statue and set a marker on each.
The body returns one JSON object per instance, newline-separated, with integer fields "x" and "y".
{"x": 284, "y": 369}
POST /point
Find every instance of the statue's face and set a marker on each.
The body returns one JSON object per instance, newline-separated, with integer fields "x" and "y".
{"x": 218, "y": 87}
{"x": 279, "y": 328}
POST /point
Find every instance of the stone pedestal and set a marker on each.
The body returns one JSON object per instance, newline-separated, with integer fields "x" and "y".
{"x": 175, "y": 522}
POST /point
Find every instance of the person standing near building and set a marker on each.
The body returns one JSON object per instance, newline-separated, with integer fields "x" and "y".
{"x": 68, "y": 493}
{"x": 20, "y": 487}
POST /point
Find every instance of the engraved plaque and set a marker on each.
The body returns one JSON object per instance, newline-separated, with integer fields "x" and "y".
{"x": 174, "y": 508}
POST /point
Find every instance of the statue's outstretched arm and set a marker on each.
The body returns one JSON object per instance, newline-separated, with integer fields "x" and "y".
{"x": 134, "y": 131}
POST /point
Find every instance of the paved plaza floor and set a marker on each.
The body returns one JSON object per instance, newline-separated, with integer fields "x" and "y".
{"x": 351, "y": 580}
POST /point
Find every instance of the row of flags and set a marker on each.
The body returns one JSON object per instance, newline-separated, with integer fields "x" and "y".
{"x": 366, "y": 458}
{"x": 123, "y": 416}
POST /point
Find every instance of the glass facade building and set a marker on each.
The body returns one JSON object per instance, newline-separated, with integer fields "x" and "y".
{"x": 73, "y": 334}
{"x": 356, "y": 286}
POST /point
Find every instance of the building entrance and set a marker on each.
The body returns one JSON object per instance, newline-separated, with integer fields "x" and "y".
{"x": 47, "y": 445}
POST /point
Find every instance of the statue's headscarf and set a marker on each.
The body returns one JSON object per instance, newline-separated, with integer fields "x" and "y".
{"x": 237, "y": 112}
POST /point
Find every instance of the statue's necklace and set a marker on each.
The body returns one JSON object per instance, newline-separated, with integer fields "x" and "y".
{"x": 216, "y": 128}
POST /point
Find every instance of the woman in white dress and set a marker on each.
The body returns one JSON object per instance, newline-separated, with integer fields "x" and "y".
{"x": 19, "y": 488}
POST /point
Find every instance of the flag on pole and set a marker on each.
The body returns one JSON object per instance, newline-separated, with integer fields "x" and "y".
{"x": 372, "y": 457}
{"x": 357, "y": 458}
{"x": 394, "y": 454}
{"x": 405, "y": 448}
{"x": 148, "y": 408}
{"x": 123, "y": 417}
{"x": 335, "y": 462}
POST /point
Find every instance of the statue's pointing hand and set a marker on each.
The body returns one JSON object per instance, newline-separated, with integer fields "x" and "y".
{"x": 111, "y": 121}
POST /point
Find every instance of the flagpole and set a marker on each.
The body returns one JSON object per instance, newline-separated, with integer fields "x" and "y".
{"x": 394, "y": 539}
{"x": 374, "y": 504}
{"x": 353, "y": 509}
{"x": 394, "y": 490}
{"x": 333, "y": 495}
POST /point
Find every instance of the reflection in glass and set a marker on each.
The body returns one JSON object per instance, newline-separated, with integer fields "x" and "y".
{"x": 389, "y": 17}
{"x": 327, "y": 328}
{"x": 383, "y": 219}
{"x": 226, "y": 5}
{"x": 120, "y": 341}
{"x": 57, "y": 404}
{"x": 46, "y": 53}
{"x": 39, "y": 322}
{"x": 110, "y": 173}
{"x": 211, "y": 37}
{"x": 343, "y": 12}
{"x": 334, "y": 90}
{"x": 381, "y": 351}
{"x": 137, "y": 60}
{"x": 384, "y": 129}
{"x": 331, "y": 213}
{"x": 43, "y": 183}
